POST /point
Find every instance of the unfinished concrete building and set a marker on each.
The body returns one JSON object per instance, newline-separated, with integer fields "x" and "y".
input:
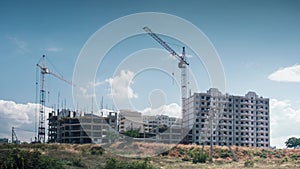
{"x": 149, "y": 123}
{"x": 130, "y": 120}
{"x": 235, "y": 120}
{"x": 158, "y": 128}
{"x": 69, "y": 127}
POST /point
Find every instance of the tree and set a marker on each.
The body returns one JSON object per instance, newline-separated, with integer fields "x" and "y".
{"x": 112, "y": 136}
{"x": 132, "y": 133}
{"x": 292, "y": 142}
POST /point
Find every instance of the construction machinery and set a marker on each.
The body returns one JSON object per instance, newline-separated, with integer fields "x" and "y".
{"x": 182, "y": 65}
{"x": 14, "y": 137}
{"x": 44, "y": 70}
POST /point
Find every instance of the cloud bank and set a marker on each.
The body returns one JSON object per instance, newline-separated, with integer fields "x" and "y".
{"x": 20, "y": 116}
{"x": 285, "y": 122}
{"x": 172, "y": 110}
{"x": 287, "y": 74}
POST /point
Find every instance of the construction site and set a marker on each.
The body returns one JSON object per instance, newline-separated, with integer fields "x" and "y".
{"x": 210, "y": 118}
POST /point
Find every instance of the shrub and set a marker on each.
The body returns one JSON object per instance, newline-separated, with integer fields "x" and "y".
{"x": 97, "y": 150}
{"x": 23, "y": 159}
{"x": 263, "y": 155}
{"x": 294, "y": 157}
{"x": 114, "y": 164}
{"x": 111, "y": 164}
{"x": 277, "y": 155}
{"x": 132, "y": 133}
{"x": 165, "y": 153}
{"x": 224, "y": 154}
{"x": 199, "y": 157}
{"x": 77, "y": 162}
{"x": 284, "y": 160}
{"x": 249, "y": 163}
{"x": 84, "y": 152}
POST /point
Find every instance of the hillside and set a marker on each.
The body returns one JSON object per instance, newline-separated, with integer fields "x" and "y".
{"x": 159, "y": 156}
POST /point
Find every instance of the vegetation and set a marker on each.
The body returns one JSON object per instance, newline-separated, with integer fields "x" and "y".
{"x": 293, "y": 142}
{"x": 115, "y": 164}
{"x": 97, "y": 150}
{"x": 112, "y": 136}
{"x": 162, "y": 128}
{"x": 24, "y": 159}
{"x": 132, "y": 133}
{"x": 199, "y": 157}
{"x": 249, "y": 163}
{"x": 76, "y": 156}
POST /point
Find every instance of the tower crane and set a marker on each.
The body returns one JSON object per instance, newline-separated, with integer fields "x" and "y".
{"x": 182, "y": 65}
{"x": 44, "y": 71}
{"x": 14, "y": 137}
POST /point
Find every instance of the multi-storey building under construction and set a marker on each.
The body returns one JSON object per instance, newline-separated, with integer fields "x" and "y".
{"x": 69, "y": 127}
{"x": 223, "y": 119}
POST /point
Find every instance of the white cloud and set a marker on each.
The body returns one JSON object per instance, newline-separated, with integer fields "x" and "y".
{"x": 285, "y": 122}
{"x": 19, "y": 113}
{"x": 96, "y": 84}
{"x": 288, "y": 74}
{"x": 121, "y": 85}
{"x": 21, "y": 116}
{"x": 172, "y": 110}
{"x": 87, "y": 90}
{"x": 103, "y": 112}
{"x": 54, "y": 49}
{"x": 188, "y": 56}
{"x": 21, "y": 45}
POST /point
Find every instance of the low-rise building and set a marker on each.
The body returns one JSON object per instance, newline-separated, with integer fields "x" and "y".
{"x": 3, "y": 140}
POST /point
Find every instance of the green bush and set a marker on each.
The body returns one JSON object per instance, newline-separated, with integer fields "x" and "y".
{"x": 97, "y": 150}
{"x": 294, "y": 157}
{"x": 249, "y": 163}
{"x": 165, "y": 153}
{"x": 132, "y": 133}
{"x": 284, "y": 160}
{"x": 77, "y": 162}
{"x": 224, "y": 154}
{"x": 24, "y": 159}
{"x": 263, "y": 155}
{"x": 199, "y": 157}
{"x": 84, "y": 152}
{"x": 114, "y": 164}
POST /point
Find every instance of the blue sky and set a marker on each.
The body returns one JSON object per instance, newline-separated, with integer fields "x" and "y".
{"x": 253, "y": 39}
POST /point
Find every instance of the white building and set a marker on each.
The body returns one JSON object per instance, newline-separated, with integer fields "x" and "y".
{"x": 165, "y": 120}
{"x": 235, "y": 120}
{"x": 130, "y": 120}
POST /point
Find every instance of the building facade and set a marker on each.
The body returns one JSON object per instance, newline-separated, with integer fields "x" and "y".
{"x": 166, "y": 120}
{"x": 68, "y": 127}
{"x": 130, "y": 120}
{"x": 225, "y": 119}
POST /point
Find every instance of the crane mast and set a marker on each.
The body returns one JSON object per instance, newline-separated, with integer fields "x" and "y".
{"x": 182, "y": 65}
{"x": 14, "y": 137}
{"x": 41, "y": 128}
{"x": 42, "y": 101}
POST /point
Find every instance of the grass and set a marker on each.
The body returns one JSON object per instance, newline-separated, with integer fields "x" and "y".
{"x": 159, "y": 156}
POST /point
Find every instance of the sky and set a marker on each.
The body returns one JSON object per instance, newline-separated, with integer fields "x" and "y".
{"x": 257, "y": 43}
